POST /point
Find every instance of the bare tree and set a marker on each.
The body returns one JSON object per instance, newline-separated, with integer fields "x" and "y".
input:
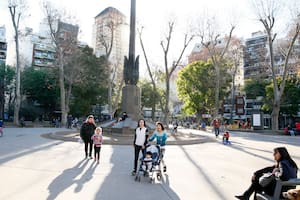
{"x": 216, "y": 46}
{"x": 73, "y": 73}
{"x": 267, "y": 13}
{"x": 64, "y": 38}
{"x": 165, "y": 44}
{"x": 16, "y": 9}
{"x": 107, "y": 40}
{"x": 152, "y": 76}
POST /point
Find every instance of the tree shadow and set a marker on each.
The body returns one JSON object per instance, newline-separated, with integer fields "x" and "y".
{"x": 269, "y": 138}
{"x": 213, "y": 185}
{"x": 119, "y": 184}
{"x": 19, "y": 142}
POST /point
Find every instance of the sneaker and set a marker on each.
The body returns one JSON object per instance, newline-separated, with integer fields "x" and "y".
{"x": 133, "y": 173}
{"x": 91, "y": 157}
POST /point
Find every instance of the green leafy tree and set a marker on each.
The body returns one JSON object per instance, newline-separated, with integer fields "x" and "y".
{"x": 291, "y": 99}
{"x": 6, "y": 78}
{"x": 255, "y": 87}
{"x": 150, "y": 97}
{"x": 196, "y": 87}
{"x": 40, "y": 88}
{"x": 91, "y": 88}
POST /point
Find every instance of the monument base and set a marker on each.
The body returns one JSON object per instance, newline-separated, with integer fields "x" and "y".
{"x": 127, "y": 127}
{"x": 131, "y": 101}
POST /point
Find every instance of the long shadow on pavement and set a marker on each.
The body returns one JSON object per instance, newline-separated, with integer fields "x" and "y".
{"x": 68, "y": 177}
{"x": 281, "y": 139}
{"x": 210, "y": 182}
{"x": 119, "y": 184}
{"x": 20, "y": 143}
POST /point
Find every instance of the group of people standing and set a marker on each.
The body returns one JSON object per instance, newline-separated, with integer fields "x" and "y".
{"x": 91, "y": 135}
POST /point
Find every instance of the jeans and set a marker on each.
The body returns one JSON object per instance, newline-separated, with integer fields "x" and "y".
{"x": 217, "y": 131}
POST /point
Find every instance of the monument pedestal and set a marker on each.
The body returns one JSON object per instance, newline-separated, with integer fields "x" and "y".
{"x": 131, "y": 101}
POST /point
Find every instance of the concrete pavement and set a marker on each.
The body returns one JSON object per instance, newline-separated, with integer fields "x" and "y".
{"x": 33, "y": 167}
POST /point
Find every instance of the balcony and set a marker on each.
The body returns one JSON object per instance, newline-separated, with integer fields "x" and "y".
{"x": 3, "y": 46}
{"x": 43, "y": 63}
{"x": 44, "y": 47}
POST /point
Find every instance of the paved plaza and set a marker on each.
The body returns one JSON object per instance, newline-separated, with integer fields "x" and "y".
{"x": 36, "y": 168}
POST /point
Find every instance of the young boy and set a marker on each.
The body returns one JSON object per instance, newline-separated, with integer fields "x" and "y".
{"x": 97, "y": 141}
{"x": 147, "y": 161}
{"x": 226, "y": 138}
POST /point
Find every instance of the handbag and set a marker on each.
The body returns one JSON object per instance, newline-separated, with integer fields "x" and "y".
{"x": 266, "y": 179}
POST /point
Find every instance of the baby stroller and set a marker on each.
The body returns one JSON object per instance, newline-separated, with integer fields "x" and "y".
{"x": 150, "y": 164}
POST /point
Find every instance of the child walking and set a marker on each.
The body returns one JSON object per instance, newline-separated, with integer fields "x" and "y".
{"x": 97, "y": 141}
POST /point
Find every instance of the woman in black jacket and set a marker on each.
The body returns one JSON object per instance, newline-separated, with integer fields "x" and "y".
{"x": 86, "y": 133}
{"x": 285, "y": 169}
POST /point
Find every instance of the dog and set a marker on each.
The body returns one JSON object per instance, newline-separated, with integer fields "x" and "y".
{"x": 292, "y": 194}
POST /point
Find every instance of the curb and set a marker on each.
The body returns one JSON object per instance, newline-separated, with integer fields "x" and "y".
{"x": 117, "y": 139}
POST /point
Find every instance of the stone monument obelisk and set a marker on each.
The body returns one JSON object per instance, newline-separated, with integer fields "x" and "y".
{"x": 131, "y": 94}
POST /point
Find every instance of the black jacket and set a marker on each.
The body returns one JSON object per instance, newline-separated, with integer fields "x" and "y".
{"x": 87, "y": 131}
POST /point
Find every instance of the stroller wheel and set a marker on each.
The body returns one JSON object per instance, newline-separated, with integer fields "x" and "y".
{"x": 158, "y": 176}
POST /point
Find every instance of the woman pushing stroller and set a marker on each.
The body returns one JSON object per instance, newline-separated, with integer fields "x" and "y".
{"x": 161, "y": 137}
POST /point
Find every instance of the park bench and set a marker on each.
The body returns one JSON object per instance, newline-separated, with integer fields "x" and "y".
{"x": 279, "y": 184}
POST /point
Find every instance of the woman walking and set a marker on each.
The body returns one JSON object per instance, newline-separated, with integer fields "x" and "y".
{"x": 139, "y": 142}
{"x": 160, "y": 136}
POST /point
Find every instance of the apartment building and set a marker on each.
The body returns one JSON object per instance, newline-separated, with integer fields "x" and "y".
{"x": 255, "y": 56}
{"x": 111, "y": 30}
{"x": 38, "y": 49}
{"x": 3, "y": 45}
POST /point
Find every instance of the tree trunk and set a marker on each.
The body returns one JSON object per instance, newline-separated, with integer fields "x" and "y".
{"x": 167, "y": 112}
{"x": 275, "y": 115}
{"x": 232, "y": 98}
{"x": 217, "y": 90}
{"x": 18, "y": 77}
{"x": 64, "y": 113}
{"x": 110, "y": 98}
{"x": 153, "y": 106}
{"x": 2, "y": 93}
{"x": 118, "y": 97}
{"x": 68, "y": 96}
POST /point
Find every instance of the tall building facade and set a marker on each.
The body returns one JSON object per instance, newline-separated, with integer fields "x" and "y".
{"x": 111, "y": 29}
{"x": 3, "y": 45}
{"x": 255, "y": 56}
{"x": 38, "y": 49}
